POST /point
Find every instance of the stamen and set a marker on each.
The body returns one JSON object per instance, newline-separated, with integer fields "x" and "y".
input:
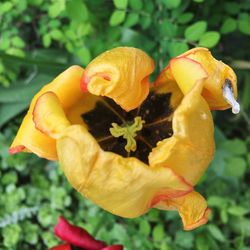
{"x": 229, "y": 97}
{"x": 128, "y": 132}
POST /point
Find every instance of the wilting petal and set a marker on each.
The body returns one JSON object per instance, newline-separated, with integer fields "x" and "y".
{"x": 48, "y": 105}
{"x": 189, "y": 151}
{"x": 217, "y": 74}
{"x": 123, "y": 186}
{"x": 192, "y": 208}
{"x": 67, "y": 87}
{"x": 77, "y": 236}
{"x": 121, "y": 74}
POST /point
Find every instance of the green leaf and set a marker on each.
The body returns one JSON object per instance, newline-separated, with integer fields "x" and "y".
{"x": 172, "y": 4}
{"x": 201, "y": 242}
{"x": 198, "y": 1}
{"x": 77, "y": 11}
{"x": 120, "y": 4}
{"x": 209, "y": 39}
{"x": 235, "y": 167}
{"x": 144, "y": 227}
{"x": 244, "y": 26}
{"x": 195, "y": 31}
{"x": 56, "y": 8}
{"x": 185, "y": 17}
{"x": 184, "y": 239}
{"x": 158, "y": 233}
{"x": 136, "y": 4}
{"x": 18, "y": 42}
{"x": 229, "y": 25}
{"x": 56, "y": 34}
{"x": 168, "y": 29}
{"x": 131, "y": 20}
{"x": 11, "y": 236}
{"x": 216, "y": 232}
{"x": 235, "y": 147}
{"x": 232, "y": 8}
{"x": 117, "y": 17}
{"x": 46, "y": 40}
{"x": 237, "y": 211}
{"x": 177, "y": 48}
{"x": 84, "y": 55}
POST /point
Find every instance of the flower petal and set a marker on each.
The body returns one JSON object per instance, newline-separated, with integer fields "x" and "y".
{"x": 217, "y": 75}
{"x": 192, "y": 208}
{"x": 49, "y": 116}
{"x": 124, "y": 186}
{"x": 61, "y": 247}
{"x": 76, "y": 236}
{"x": 189, "y": 151}
{"x": 114, "y": 247}
{"x": 121, "y": 74}
{"x": 67, "y": 87}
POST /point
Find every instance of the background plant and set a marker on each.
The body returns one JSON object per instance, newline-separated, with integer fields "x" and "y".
{"x": 40, "y": 38}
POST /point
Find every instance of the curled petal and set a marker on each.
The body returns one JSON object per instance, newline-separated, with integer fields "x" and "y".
{"x": 49, "y": 116}
{"x": 77, "y": 236}
{"x": 218, "y": 74}
{"x": 121, "y": 74}
{"x": 192, "y": 208}
{"x": 189, "y": 151}
{"x": 124, "y": 186}
{"x": 67, "y": 88}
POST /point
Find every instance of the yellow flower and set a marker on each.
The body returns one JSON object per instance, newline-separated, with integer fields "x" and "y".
{"x": 127, "y": 146}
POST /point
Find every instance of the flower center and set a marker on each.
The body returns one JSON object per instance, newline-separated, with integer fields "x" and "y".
{"x": 128, "y": 132}
{"x": 134, "y": 133}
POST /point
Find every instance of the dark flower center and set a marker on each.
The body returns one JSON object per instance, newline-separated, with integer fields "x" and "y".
{"x": 155, "y": 111}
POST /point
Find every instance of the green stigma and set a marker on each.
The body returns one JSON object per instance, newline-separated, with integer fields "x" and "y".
{"x": 128, "y": 132}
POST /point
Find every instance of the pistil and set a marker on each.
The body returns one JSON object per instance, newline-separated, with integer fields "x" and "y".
{"x": 128, "y": 132}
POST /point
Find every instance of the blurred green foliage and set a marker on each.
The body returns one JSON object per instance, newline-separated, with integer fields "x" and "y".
{"x": 40, "y": 38}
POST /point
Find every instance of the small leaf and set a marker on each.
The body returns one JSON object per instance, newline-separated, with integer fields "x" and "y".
{"x": 136, "y": 4}
{"x": 185, "y": 17}
{"x": 238, "y": 211}
{"x": 235, "y": 147}
{"x": 18, "y": 42}
{"x": 77, "y": 11}
{"x": 46, "y": 40}
{"x": 121, "y": 4}
{"x": 244, "y": 26}
{"x": 229, "y": 25}
{"x": 158, "y": 233}
{"x": 177, "y": 48}
{"x": 144, "y": 227}
{"x": 172, "y": 4}
{"x": 84, "y": 55}
{"x": 235, "y": 167}
{"x": 195, "y": 31}
{"x": 198, "y": 1}
{"x": 117, "y": 17}
{"x": 131, "y": 20}
{"x": 216, "y": 233}
{"x": 209, "y": 39}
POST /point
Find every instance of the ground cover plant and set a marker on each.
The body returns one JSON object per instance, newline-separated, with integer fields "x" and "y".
{"x": 40, "y": 38}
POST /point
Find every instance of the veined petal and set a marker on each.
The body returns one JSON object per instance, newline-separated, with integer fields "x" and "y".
{"x": 192, "y": 208}
{"x": 218, "y": 74}
{"x": 67, "y": 87}
{"x": 49, "y": 116}
{"x": 124, "y": 186}
{"x": 121, "y": 74}
{"x": 189, "y": 151}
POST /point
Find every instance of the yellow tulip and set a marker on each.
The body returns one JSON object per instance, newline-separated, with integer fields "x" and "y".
{"x": 127, "y": 146}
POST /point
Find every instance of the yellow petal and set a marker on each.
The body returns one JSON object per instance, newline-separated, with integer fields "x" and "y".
{"x": 217, "y": 75}
{"x": 192, "y": 208}
{"x": 123, "y": 186}
{"x": 49, "y": 116}
{"x": 67, "y": 87}
{"x": 121, "y": 74}
{"x": 190, "y": 150}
